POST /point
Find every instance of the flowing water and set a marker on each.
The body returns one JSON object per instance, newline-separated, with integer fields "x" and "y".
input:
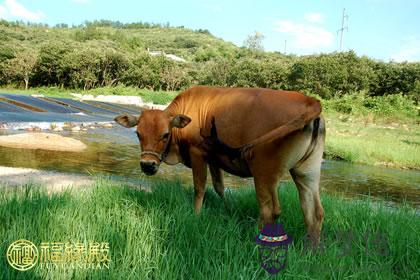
{"x": 116, "y": 152}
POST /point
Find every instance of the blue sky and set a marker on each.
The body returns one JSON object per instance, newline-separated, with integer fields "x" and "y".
{"x": 381, "y": 29}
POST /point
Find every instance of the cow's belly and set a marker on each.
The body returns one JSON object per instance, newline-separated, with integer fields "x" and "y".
{"x": 236, "y": 167}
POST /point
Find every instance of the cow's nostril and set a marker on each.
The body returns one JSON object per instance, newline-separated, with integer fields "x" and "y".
{"x": 149, "y": 167}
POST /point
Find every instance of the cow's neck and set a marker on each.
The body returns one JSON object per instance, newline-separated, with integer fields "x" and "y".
{"x": 183, "y": 138}
{"x": 174, "y": 155}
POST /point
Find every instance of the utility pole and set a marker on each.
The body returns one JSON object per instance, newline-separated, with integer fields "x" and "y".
{"x": 344, "y": 26}
{"x": 285, "y": 44}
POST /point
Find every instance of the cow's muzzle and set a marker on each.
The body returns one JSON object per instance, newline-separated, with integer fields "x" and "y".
{"x": 149, "y": 167}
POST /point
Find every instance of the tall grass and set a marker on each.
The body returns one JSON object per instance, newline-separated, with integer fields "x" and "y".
{"x": 387, "y": 108}
{"x": 157, "y": 236}
{"x": 356, "y": 140}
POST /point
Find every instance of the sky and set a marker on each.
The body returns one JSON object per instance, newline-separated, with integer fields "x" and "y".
{"x": 381, "y": 29}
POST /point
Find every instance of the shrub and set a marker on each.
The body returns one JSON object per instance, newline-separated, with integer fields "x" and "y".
{"x": 106, "y": 53}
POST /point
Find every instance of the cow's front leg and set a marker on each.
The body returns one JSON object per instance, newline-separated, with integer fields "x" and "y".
{"x": 199, "y": 169}
{"x": 217, "y": 179}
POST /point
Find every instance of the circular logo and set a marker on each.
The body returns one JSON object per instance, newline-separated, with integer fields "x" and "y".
{"x": 22, "y": 255}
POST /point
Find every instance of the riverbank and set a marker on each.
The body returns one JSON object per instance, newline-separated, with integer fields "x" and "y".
{"x": 148, "y": 96}
{"x": 157, "y": 236}
{"x": 357, "y": 140}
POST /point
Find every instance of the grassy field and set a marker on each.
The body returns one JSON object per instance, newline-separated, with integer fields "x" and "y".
{"x": 156, "y": 235}
{"x": 358, "y": 140}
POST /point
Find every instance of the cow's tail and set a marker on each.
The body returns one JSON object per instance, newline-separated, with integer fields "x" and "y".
{"x": 318, "y": 128}
{"x": 318, "y": 134}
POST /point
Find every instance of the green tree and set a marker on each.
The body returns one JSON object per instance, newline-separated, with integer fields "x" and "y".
{"x": 51, "y": 69}
{"x": 84, "y": 67}
{"x": 254, "y": 41}
{"x": 113, "y": 65}
{"x": 22, "y": 65}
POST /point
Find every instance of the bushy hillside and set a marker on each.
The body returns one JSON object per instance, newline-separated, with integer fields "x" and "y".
{"x": 130, "y": 37}
{"x": 106, "y": 53}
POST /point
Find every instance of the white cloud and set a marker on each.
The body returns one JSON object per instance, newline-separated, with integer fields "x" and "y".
{"x": 314, "y": 17}
{"x": 305, "y": 36}
{"x": 11, "y": 9}
{"x": 409, "y": 52}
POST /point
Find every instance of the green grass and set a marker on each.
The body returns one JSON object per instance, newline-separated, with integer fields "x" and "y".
{"x": 382, "y": 109}
{"x": 157, "y": 236}
{"x": 357, "y": 140}
{"x": 51, "y": 92}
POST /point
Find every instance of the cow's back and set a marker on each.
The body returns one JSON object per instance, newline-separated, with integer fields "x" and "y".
{"x": 241, "y": 114}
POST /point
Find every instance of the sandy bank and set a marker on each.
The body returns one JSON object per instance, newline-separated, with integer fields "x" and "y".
{"x": 44, "y": 141}
{"x": 119, "y": 99}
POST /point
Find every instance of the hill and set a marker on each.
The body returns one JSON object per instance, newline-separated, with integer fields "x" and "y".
{"x": 106, "y": 53}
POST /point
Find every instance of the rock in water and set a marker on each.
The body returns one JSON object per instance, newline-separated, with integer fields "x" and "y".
{"x": 43, "y": 141}
{"x": 107, "y": 125}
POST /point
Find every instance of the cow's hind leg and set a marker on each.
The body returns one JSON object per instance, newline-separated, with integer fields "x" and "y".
{"x": 217, "y": 179}
{"x": 266, "y": 190}
{"x": 306, "y": 178}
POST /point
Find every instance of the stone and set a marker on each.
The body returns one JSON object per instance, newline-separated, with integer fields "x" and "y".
{"x": 57, "y": 128}
{"x": 43, "y": 141}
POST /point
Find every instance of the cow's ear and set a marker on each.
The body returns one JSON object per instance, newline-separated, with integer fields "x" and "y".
{"x": 180, "y": 121}
{"x": 127, "y": 120}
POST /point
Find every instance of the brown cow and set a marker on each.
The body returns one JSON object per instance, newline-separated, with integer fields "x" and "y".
{"x": 248, "y": 132}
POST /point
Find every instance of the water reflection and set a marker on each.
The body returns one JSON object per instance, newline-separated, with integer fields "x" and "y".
{"x": 116, "y": 152}
{"x": 392, "y": 185}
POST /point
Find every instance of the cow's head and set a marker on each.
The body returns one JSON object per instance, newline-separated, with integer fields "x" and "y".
{"x": 154, "y": 130}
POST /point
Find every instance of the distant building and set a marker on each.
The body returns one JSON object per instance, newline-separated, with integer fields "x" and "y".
{"x": 170, "y": 56}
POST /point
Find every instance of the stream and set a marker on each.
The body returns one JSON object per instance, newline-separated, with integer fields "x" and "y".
{"x": 115, "y": 151}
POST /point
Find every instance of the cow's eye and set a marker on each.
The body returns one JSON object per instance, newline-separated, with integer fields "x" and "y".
{"x": 165, "y": 136}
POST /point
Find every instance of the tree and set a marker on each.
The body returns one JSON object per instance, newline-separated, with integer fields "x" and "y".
{"x": 22, "y": 65}
{"x": 51, "y": 69}
{"x": 84, "y": 67}
{"x": 254, "y": 41}
{"x": 113, "y": 65}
